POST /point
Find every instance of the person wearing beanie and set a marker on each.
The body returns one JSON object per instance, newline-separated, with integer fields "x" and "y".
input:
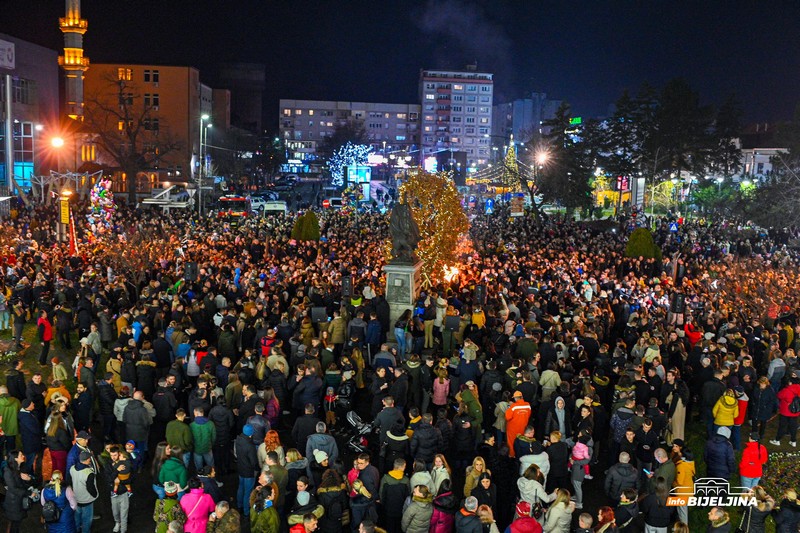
{"x": 84, "y": 485}
{"x": 754, "y": 457}
{"x": 719, "y": 454}
{"x": 523, "y": 521}
{"x": 168, "y": 508}
{"x": 247, "y": 468}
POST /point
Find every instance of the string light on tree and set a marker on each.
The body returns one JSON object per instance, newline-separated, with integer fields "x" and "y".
{"x": 436, "y": 206}
{"x": 349, "y": 154}
{"x": 511, "y": 169}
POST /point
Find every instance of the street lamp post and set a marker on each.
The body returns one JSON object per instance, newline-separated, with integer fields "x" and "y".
{"x": 201, "y": 164}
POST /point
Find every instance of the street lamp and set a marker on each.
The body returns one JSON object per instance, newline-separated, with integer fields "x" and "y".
{"x": 719, "y": 181}
{"x": 201, "y": 163}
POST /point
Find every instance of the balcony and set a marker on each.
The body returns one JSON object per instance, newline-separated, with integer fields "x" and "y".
{"x": 443, "y": 90}
{"x": 73, "y": 25}
{"x": 77, "y": 63}
{"x": 442, "y": 112}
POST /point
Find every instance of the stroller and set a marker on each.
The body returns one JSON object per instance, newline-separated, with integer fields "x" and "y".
{"x": 358, "y": 441}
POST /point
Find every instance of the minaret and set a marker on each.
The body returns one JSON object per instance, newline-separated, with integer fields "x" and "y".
{"x": 74, "y": 64}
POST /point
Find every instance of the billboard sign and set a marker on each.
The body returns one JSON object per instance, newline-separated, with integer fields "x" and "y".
{"x": 7, "y": 55}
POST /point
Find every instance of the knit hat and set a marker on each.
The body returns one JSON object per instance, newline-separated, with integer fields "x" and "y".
{"x": 497, "y": 387}
{"x": 303, "y": 497}
{"x": 523, "y": 508}
{"x": 725, "y": 432}
{"x": 248, "y": 430}
{"x": 320, "y": 456}
{"x": 171, "y": 488}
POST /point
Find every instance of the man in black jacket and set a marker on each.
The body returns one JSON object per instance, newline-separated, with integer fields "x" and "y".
{"x": 107, "y": 396}
{"x": 15, "y": 380}
{"x": 621, "y": 476}
{"x": 30, "y": 430}
{"x": 165, "y": 404}
{"x": 304, "y": 427}
{"x": 247, "y": 468}
{"x": 137, "y": 421}
{"x": 711, "y": 392}
{"x": 426, "y": 441}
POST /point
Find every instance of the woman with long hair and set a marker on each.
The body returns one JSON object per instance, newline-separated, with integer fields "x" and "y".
{"x": 486, "y": 517}
{"x": 417, "y": 515}
{"x": 62, "y": 496}
{"x": 59, "y": 441}
{"x": 558, "y": 518}
{"x": 473, "y": 475}
{"x": 754, "y": 517}
{"x": 485, "y": 491}
{"x": 16, "y": 482}
{"x": 531, "y": 488}
{"x": 272, "y": 443}
{"x": 445, "y": 506}
{"x": 296, "y": 467}
{"x": 332, "y": 495}
{"x": 605, "y": 520}
{"x": 657, "y": 516}
{"x": 787, "y": 518}
{"x": 159, "y": 459}
{"x": 439, "y": 472}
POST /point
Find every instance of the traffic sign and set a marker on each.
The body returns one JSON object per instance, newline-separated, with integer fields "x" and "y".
{"x": 489, "y": 206}
{"x": 326, "y": 203}
{"x": 673, "y": 227}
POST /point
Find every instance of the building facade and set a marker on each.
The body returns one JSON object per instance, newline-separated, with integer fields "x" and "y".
{"x": 303, "y": 124}
{"x": 521, "y": 118}
{"x": 246, "y": 82}
{"x": 34, "y": 110}
{"x": 171, "y": 98}
{"x": 456, "y": 113}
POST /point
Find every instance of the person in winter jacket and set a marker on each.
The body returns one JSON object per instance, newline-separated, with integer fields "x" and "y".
{"x": 726, "y": 409}
{"x": 751, "y": 466}
{"x": 59, "y": 493}
{"x": 787, "y": 519}
{"x": 394, "y": 489}
{"x": 417, "y": 516}
{"x": 531, "y": 489}
{"x": 523, "y": 521}
{"x": 445, "y": 506}
{"x": 137, "y": 421}
{"x": 787, "y": 424}
{"x": 204, "y": 434}
{"x": 426, "y": 441}
{"x": 763, "y": 405}
{"x": 467, "y": 520}
{"x": 517, "y": 416}
{"x": 246, "y": 466}
{"x": 621, "y": 476}
{"x": 197, "y": 505}
{"x": 719, "y": 454}
{"x": 558, "y": 518}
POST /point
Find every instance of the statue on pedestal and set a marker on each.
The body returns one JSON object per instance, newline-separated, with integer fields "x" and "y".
{"x": 405, "y": 235}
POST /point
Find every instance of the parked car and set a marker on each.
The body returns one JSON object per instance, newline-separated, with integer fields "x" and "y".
{"x": 259, "y": 200}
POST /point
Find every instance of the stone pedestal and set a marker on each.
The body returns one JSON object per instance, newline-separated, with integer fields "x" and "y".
{"x": 402, "y": 290}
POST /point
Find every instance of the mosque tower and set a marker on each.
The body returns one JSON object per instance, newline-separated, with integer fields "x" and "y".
{"x": 74, "y": 64}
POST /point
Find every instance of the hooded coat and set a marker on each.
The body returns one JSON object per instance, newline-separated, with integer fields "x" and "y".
{"x": 725, "y": 410}
{"x": 417, "y": 516}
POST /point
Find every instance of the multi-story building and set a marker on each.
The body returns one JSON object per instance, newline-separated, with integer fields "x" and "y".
{"x": 521, "y": 118}
{"x": 457, "y": 113}
{"x": 246, "y": 82}
{"x": 34, "y": 102}
{"x": 177, "y": 100}
{"x": 305, "y": 123}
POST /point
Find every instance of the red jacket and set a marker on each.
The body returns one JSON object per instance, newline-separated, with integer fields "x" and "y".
{"x": 785, "y": 397}
{"x": 739, "y": 420}
{"x": 45, "y": 329}
{"x": 754, "y": 457}
{"x": 525, "y": 525}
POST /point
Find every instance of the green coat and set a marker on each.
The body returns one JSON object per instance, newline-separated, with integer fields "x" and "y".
{"x": 265, "y": 521}
{"x": 174, "y": 470}
{"x": 179, "y": 434}
{"x": 474, "y": 407}
{"x": 9, "y": 407}
{"x": 231, "y": 522}
{"x": 204, "y": 433}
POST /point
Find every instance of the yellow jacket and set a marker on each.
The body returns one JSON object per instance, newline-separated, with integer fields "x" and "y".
{"x": 725, "y": 410}
{"x": 684, "y": 476}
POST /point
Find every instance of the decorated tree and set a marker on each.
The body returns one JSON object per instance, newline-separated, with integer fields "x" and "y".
{"x": 306, "y": 227}
{"x": 511, "y": 178}
{"x": 436, "y": 207}
{"x": 349, "y": 154}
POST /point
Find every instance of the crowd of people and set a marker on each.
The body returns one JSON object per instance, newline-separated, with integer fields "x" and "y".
{"x": 551, "y": 364}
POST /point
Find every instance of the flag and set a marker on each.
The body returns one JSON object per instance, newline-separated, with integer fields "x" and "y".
{"x": 73, "y": 242}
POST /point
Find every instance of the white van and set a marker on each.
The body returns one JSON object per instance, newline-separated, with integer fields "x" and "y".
{"x": 274, "y": 207}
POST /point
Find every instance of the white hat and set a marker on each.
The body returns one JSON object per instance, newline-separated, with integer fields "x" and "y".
{"x": 725, "y": 432}
{"x": 320, "y": 456}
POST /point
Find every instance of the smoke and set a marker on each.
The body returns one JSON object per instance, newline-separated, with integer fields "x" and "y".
{"x": 462, "y": 33}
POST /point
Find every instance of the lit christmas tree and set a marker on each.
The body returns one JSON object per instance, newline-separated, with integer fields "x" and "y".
{"x": 349, "y": 154}
{"x": 510, "y": 168}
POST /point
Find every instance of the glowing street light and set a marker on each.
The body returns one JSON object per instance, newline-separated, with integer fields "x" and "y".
{"x": 57, "y": 142}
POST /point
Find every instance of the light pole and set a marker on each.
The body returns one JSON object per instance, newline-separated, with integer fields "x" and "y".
{"x": 201, "y": 164}
{"x": 719, "y": 181}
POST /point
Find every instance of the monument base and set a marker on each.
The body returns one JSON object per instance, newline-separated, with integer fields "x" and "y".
{"x": 402, "y": 290}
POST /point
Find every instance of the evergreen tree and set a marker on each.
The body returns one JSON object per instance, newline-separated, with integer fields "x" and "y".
{"x": 511, "y": 176}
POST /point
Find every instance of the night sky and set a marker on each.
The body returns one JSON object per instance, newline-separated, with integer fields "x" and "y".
{"x": 585, "y": 52}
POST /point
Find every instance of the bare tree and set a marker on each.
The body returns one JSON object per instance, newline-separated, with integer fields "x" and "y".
{"x": 128, "y": 130}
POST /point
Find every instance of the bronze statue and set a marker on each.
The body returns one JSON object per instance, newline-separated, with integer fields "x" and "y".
{"x": 405, "y": 234}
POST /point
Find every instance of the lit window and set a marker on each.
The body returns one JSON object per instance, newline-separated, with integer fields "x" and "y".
{"x": 400, "y": 138}
{"x": 311, "y": 112}
{"x": 287, "y": 112}
{"x": 401, "y": 116}
{"x": 454, "y": 139}
{"x": 484, "y": 121}
{"x": 458, "y": 87}
{"x": 298, "y": 111}
{"x": 430, "y": 97}
{"x": 429, "y": 118}
{"x": 124, "y": 74}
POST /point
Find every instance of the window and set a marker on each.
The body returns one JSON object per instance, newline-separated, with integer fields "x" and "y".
{"x": 428, "y": 138}
{"x": 456, "y": 130}
{"x": 470, "y": 120}
{"x": 329, "y": 124}
{"x": 430, "y": 97}
{"x": 298, "y": 111}
{"x": 311, "y": 112}
{"x": 483, "y": 131}
{"x": 401, "y": 116}
{"x": 327, "y": 113}
{"x": 456, "y": 119}
{"x": 483, "y": 151}
{"x": 483, "y": 110}
{"x": 486, "y": 99}
{"x": 486, "y": 88}
{"x": 399, "y": 137}
{"x": 401, "y": 126}
{"x": 458, "y": 98}
{"x": 413, "y": 116}
{"x": 150, "y": 76}
{"x": 470, "y": 131}
{"x": 458, "y": 87}
{"x": 428, "y": 129}
{"x": 121, "y": 125}
{"x": 457, "y": 108}
{"x": 484, "y": 120}
{"x": 151, "y": 124}
{"x": 483, "y": 141}
{"x": 428, "y": 118}
{"x": 454, "y": 139}
{"x": 310, "y": 123}
{"x": 472, "y": 88}
{"x": 23, "y": 91}
{"x": 151, "y": 100}
{"x": 470, "y": 109}
{"x": 287, "y": 112}
{"x": 429, "y": 107}
{"x": 125, "y": 99}
{"x": 124, "y": 74}
{"x": 471, "y": 99}
{"x": 430, "y": 85}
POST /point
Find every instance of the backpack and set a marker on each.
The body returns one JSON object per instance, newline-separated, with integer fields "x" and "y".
{"x": 51, "y": 512}
{"x": 794, "y": 407}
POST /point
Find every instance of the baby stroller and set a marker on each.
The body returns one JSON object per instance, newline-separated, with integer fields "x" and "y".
{"x": 358, "y": 441}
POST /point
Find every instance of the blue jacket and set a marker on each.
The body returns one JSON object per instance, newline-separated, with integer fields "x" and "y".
{"x": 66, "y": 522}
{"x": 373, "y": 335}
{"x": 31, "y": 432}
{"x": 719, "y": 457}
